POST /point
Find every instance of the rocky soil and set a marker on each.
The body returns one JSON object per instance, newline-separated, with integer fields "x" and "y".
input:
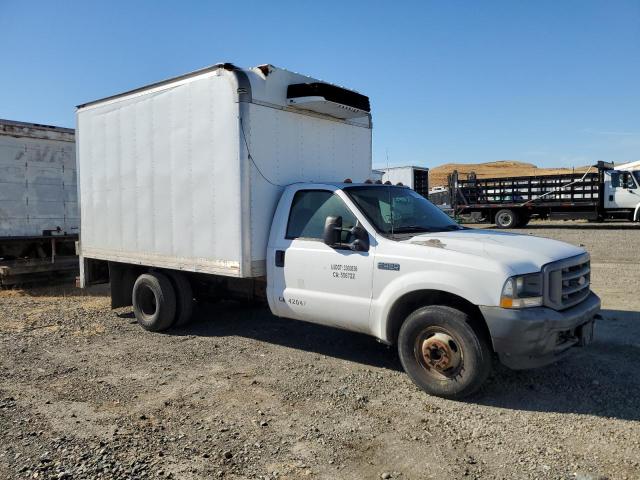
{"x": 86, "y": 393}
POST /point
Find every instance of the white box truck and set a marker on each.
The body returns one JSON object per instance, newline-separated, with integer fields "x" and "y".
{"x": 38, "y": 202}
{"x": 416, "y": 178}
{"x": 243, "y": 184}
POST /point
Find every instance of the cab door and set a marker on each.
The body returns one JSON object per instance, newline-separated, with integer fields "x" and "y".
{"x": 621, "y": 190}
{"x": 312, "y": 281}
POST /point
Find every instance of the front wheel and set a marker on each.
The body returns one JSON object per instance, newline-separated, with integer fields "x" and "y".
{"x": 442, "y": 353}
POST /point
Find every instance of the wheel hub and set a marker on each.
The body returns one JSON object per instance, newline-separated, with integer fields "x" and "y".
{"x": 504, "y": 219}
{"x": 441, "y": 352}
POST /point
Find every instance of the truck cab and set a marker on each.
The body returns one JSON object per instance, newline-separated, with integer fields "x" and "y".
{"x": 622, "y": 191}
{"x": 384, "y": 261}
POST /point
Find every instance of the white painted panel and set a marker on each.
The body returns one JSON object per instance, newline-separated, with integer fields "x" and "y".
{"x": 290, "y": 147}
{"x": 127, "y": 175}
{"x": 159, "y": 177}
{"x": 36, "y": 163}
{"x": 161, "y": 170}
{"x": 396, "y": 175}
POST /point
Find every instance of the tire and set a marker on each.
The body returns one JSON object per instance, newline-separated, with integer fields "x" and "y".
{"x": 184, "y": 298}
{"x": 459, "y": 359}
{"x": 524, "y": 221}
{"x": 154, "y": 301}
{"x": 506, "y": 218}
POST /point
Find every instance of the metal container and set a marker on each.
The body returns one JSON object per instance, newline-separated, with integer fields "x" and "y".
{"x": 186, "y": 173}
{"x": 416, "y": 178}
{"x": 38, "y": 190}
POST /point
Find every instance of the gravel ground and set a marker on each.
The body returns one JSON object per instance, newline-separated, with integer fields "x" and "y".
{"x": 86, "y": 393}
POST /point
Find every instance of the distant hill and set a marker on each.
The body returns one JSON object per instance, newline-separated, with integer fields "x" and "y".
{"x": 502, "y": 168}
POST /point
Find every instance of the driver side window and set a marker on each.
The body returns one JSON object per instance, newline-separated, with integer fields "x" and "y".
{"x": 309, "y": 210}
{"x": 628, "y": 181}
{"x": 615, "y": 179}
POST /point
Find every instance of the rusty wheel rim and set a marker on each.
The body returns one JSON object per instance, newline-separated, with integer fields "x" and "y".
{"x": 439, "y": 353}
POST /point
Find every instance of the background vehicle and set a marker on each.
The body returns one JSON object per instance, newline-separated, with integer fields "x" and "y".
{"x": 600, "y": 193}
{"x": 38, "y": 202}
{"x": 416, "y": 178}
{"x": 230, "y": 182}
{"x": 440, "y": 196}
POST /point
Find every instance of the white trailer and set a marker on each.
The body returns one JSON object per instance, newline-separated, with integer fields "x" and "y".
{"x": 376, "y": 175}
{"x": 242, "y": 184}
{"x": 38, "y": 201}
{"x": 416, "y": 178}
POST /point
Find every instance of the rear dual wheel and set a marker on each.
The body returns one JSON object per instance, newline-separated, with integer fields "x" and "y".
{"x": 507, "y": 218}
{"x": 154, "y": 301}
{"x": 162, "y": 300}
{"x": 524, "y": 220}
{"x": 184, "y": 298}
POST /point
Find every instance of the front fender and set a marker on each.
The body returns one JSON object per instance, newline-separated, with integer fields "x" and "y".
{"x": 474, "y": 289}
{"x": 636, "y": 213}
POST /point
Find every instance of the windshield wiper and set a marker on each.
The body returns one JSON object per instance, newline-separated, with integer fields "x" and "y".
{"x": 420, "y": 228}
{"x": 412, "y": 228}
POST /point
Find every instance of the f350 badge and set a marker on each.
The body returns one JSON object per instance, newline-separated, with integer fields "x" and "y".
{"x": 389, "y": 266}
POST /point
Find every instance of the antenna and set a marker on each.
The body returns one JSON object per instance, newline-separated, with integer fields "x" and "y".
{"x": 389, "y": 192}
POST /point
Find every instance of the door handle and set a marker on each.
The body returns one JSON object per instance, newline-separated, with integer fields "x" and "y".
{"x": 279, "y": 258}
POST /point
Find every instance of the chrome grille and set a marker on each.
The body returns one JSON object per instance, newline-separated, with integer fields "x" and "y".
{"x": 567, "y": 282}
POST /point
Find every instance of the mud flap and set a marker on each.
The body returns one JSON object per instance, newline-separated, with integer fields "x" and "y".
{"x": 122, "y": 279}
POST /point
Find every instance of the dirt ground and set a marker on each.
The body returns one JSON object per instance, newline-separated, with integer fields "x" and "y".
{"x": 86, "y": 393}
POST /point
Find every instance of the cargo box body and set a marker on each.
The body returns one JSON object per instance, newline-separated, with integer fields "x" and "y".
{"x": 38, "y": 192}
{"x": 186, "y": 173}
{"x": 416, "y": 178}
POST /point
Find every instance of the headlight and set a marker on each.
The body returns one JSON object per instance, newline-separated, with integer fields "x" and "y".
{"x": 522, "y": 291}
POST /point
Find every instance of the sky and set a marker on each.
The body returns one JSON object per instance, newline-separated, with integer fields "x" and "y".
{"x": 554, "y": 83}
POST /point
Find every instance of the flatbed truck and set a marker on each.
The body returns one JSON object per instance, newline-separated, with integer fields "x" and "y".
{"x": 602, "y": 192}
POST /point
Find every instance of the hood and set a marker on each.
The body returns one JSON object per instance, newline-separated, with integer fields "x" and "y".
{"x": 521, "y": 253}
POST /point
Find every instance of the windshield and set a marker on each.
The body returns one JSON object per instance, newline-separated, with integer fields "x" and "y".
{"x": 400, "y": 210}
{"x": 637, "y": 175}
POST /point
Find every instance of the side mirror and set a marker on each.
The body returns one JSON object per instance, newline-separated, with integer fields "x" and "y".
{"x": 332, "y": 231}
{"x": 332, "y": 235}
{"x": 360, "y": 242}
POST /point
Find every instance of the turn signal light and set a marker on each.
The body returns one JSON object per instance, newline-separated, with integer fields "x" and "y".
{"x": 506, "y": 302}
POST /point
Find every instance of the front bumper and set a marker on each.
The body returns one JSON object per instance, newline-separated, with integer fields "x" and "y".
{"x": 534, "y": 337}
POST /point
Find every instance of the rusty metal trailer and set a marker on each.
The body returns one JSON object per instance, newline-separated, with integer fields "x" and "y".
{"x": 39, "y": 218}
{"x": 599, "y": 193}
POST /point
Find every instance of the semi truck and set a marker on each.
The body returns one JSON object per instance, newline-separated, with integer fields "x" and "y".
{"x": 251, "y": 184}
{"x": 602, "y": 192}
{"x": 38, "y": 203}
